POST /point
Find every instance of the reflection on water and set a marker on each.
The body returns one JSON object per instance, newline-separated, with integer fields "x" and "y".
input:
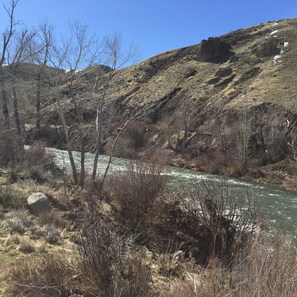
{"x": 280, "y": 206}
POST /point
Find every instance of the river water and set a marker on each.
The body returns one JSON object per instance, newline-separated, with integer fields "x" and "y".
{"x": 280, "y": 207}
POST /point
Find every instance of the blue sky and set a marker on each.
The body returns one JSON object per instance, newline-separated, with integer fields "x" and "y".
{"x": 154, "y": 26}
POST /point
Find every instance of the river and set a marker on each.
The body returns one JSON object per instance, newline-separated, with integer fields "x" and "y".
{"x": 280, "y": 207}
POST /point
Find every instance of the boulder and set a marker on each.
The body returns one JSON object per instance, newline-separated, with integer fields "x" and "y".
{"x": 38, "y": 203}
{"x": 215, "y": 50}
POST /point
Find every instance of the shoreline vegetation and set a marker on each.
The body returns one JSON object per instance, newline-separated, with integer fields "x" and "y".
{"x": 279, "y": 176}
{"x": 136, "y": 237}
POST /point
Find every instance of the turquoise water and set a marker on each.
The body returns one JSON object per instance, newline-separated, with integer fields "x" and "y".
{"x": 280, "y": 207}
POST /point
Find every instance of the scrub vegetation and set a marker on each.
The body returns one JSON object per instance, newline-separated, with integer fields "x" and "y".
{"x": 139, "y": 236}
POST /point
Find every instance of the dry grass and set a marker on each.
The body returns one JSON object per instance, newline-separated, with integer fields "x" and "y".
{"x": 10, "y": 197}
{"x": 40, "y": 276}
{"x": 26, "y": 246}
{"x": 267, "y": 269}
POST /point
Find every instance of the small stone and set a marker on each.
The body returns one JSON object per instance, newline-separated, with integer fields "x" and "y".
{"x": 2, "y": 172}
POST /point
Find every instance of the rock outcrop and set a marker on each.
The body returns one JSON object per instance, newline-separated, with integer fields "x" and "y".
{"x": 214, "y": 50}
{"x": 269, "y": 47}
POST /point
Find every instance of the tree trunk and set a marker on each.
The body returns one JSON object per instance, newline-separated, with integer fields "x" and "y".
{"x": 38, "y": 103}
{"x": 82, "y": 157}
{"x": 68, "y": 147}
{"x": 16, "y": 110}
{"x": 19, "y": 143}
{"x": 5, "y": 110}
{"x": 98, "y": 146}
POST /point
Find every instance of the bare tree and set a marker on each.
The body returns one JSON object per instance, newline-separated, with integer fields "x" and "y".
{"x": 17, "y": 53}
{"x": 74, "y": 53}
{"x": 40, "y": 51}
{"x": 115, "y": 57}
{"x": 6, "y": 39}
{"x": 244, "y": 134}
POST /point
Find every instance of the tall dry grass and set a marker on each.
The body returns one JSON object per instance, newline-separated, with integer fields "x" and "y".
{"x": 265, "y": 269}
{"x": 45, "y": 275}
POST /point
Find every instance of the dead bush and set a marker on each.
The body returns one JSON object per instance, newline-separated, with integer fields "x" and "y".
{"x": 109, "y": 268}
{"x": 204, "y": 221}
{"x": 11, "y": 148}
{"x": 38, "y": 163}
{"x": 228, "y": 217}
{"x": 135, "y": 191}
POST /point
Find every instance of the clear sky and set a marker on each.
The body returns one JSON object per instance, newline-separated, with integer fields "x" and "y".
{"x": 154, "y": 26}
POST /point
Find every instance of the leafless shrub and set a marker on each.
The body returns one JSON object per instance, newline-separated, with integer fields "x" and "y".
{"x": 204, "y": 221}
{"x": 11, "y": 148}
{"x": 135, "y": 191}
{"x": 38, "y": 163}
{"x": 227, "y": 218}
{"x": 108, "y": 267}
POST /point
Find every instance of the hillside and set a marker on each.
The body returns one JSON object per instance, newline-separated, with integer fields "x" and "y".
{"x": 226, "y": 105}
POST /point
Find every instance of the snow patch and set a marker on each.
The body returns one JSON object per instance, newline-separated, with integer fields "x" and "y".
{"x": 76, "y": 71}
{"x": 286, "y": 44}
{"x": 277, "y": 59}
{"x": 273, "y": 32}
{"x": 274, "y": 24}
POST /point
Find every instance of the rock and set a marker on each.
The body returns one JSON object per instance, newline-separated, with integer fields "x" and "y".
{"x": 2, "y": 172}
{"x": 215, "y": 50}
{"x": 214, "y": 80}
{"x": 38, "y": 203}
{"x": 269, "y": 47}
{"x": 223, "y": 72}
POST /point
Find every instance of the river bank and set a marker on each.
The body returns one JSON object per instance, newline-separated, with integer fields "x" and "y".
{"x": 280, "y": 176}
